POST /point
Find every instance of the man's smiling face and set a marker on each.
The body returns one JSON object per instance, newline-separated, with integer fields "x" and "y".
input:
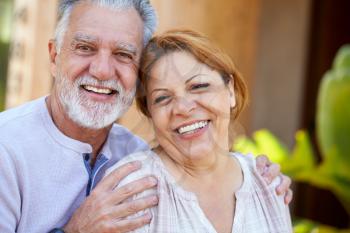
{"x": 96, "y": 69}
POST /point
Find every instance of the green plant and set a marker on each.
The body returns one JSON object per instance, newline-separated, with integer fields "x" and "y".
{"x": 333, "y": 134}
{"x": 4, "y": 53}
{"x": 306, "y": 226}
{"x": 333, "y": 126}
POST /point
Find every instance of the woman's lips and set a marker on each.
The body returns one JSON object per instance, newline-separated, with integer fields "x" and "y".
{"x": 192, "y": 127}
{"x": 192, "y": 130}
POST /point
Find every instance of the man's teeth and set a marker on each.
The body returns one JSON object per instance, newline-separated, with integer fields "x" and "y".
{"x": 189, "y": 128}
{"x": 98, "y": 90}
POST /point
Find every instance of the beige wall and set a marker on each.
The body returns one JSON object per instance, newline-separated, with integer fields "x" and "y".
{"x": 28, "y": 76}
{"x": 281, "y": 62}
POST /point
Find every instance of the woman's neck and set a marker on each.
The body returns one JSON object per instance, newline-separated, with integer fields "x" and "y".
{"x": 201, "y": 173}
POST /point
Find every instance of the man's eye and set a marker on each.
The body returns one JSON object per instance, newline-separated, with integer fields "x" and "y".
{"x": 199, "y": 86}
{"x": 126, "y": 57}
{"x": 160, "y": 99}
{"x": 84, "y": 48}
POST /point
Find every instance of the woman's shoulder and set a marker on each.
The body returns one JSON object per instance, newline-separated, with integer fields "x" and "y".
{"x": 255, "y": 186}
{"x": 261, "y": 197}
{"x": 148, "y": 161}
{"x": 251, "y": 174}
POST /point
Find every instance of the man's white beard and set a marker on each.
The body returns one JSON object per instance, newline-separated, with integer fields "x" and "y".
{"x": 86, "y": 112}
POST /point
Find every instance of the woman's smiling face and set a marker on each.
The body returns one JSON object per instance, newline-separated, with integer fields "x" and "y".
{"x": 189, "y": 105}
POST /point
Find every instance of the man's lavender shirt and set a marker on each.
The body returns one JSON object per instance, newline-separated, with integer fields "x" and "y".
{"x": 45, "y": 175}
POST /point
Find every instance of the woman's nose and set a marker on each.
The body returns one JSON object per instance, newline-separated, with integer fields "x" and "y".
{"x": 183, "y": 105}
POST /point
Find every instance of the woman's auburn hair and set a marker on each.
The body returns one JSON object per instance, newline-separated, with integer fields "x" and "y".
{"x": 203, "y": 50}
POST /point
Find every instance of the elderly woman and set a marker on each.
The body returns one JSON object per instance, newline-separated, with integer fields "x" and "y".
{"x": 192, "y": 93}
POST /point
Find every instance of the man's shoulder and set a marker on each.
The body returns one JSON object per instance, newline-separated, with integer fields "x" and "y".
{"x": 145, "y": 157}
{"x": 21, "y": 112}
{"x": 123, "y": 138}
{"x": 18, "y": 118}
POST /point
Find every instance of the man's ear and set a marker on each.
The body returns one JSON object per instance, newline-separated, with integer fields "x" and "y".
{"x": 53, "y": 57}
{"x": 231, "y": 89}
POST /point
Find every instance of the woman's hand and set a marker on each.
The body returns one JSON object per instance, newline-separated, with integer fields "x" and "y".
{"x": 269, "y": 171}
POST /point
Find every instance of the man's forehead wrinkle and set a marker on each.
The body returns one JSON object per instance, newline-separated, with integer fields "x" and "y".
{"x": 94, "y": 39}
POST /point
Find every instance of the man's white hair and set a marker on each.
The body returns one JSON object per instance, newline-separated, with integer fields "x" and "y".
{"x": 143, "y": 7}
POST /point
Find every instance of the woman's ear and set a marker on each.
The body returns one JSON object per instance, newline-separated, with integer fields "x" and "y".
{"x": 231, "y": 89}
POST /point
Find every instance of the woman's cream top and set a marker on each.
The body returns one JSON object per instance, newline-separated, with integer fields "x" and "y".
{"x": 258, "y": 208}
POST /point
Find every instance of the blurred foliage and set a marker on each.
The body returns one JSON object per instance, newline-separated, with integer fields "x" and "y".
{"x": 4, "y": 52}
{"x": 6, "y": 7}
{"x": 333, "y": 126}
{"x": 333, "y": 134}
{"x": 305, "y": 226}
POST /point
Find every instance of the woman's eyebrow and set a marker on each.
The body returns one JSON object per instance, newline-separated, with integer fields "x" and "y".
{"x": 192, "y": 77}
{"x": 187, "y": 81}
{"x": 158, "y": 89}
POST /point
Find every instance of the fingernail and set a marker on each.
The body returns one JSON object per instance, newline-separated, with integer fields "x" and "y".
{"x": 153, "y": 181}
{"x": 155, "y": 200}
{"x": 148, "y": 216}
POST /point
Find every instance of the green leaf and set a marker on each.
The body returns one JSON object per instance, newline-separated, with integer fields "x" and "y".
{"x": 307, "y": 226}
{"x": 264, "y": 143}
{"x": 301, "y": 164}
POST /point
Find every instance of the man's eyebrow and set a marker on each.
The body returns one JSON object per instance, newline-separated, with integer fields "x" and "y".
{"x": 126, "y": 47}
{"x": 85, "y": 38}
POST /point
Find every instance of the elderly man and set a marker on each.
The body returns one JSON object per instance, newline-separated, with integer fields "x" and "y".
{"x": 54, "y": 150}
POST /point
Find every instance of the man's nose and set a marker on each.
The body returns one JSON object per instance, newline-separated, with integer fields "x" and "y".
{"x": 184, "y": 105}
{"x": 102, "y": 67}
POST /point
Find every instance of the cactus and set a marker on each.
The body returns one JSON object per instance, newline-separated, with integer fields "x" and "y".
{"x": 333, "y": 109}
{"x": 333, "y": 126}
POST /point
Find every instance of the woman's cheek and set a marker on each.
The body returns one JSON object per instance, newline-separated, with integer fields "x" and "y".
{"x": 157, "y": 116}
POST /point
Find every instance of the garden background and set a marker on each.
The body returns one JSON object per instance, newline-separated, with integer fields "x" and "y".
{"x": 283, "y": 48}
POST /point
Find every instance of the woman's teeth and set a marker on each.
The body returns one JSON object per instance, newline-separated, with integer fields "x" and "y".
{"x": 98, "y": 90}
{"x": 192, "y": 127}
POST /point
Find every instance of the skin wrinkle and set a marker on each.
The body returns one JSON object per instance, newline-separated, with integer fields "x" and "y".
{"x": 104, "y": 62}
{"x": 188, "y": 164}
{"x": 94, "y": 41}
{"x": 191, "y": 92}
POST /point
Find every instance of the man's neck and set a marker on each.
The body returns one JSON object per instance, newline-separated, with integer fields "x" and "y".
{"x": 96, "y": 138}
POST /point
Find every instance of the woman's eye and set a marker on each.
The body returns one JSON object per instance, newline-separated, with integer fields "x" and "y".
{"x": 199, "y": 86}
{"x": 160, "y": 99}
